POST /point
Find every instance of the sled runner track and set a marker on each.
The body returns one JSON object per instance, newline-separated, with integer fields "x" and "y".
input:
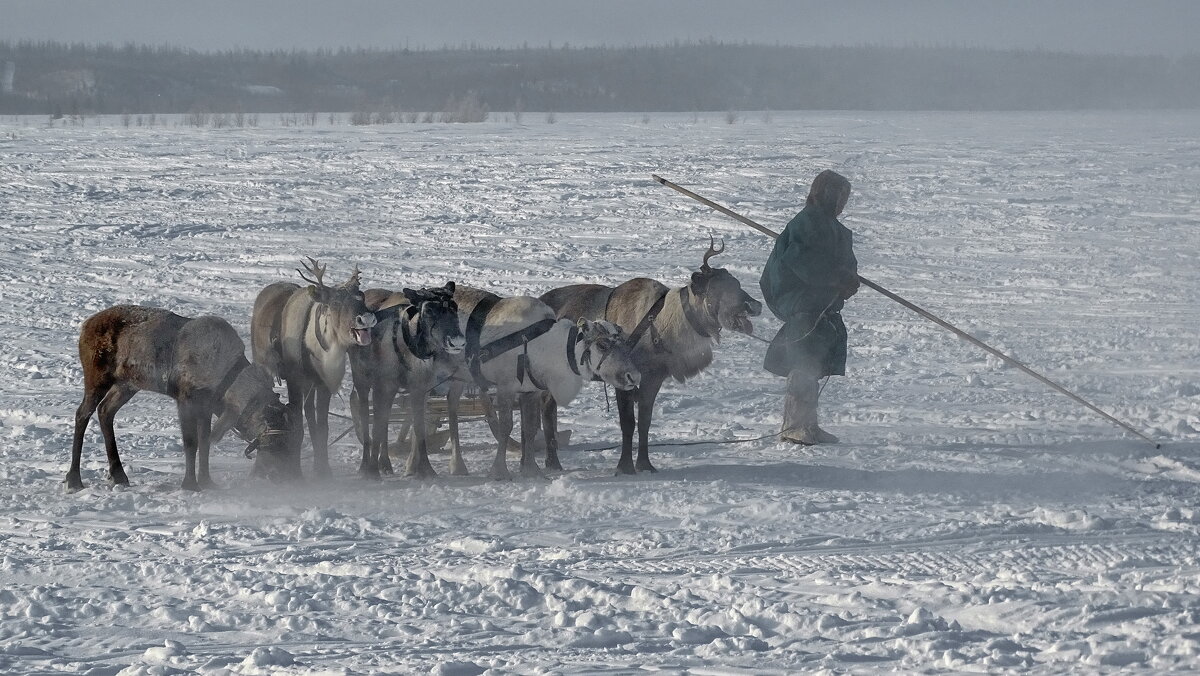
{"x": 1039, "y": 558}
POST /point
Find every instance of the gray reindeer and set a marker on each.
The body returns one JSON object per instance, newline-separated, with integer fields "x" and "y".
{"x": 516, "y": 347}
{"x": 417, "y": 326}
{"x": 302, "y": 335}
{"x": 671, "y": 333}
{"x": 201, "y": 364}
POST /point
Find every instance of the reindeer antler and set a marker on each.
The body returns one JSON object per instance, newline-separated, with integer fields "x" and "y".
{"x": 315, "y": 269}
{"x": 353, "y": 282}
{"x": 712, "y": 251}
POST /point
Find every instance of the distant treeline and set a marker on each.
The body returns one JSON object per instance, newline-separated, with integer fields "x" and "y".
{"x": 69, "y": 79}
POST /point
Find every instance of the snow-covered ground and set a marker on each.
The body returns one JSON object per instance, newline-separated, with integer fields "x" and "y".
{"x": 971, "y": 519}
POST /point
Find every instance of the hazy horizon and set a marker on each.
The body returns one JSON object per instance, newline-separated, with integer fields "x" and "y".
{"x": 1155, "y": 27}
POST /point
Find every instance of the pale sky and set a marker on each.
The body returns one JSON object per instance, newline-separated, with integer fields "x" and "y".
{"x": 1167, "y": 27}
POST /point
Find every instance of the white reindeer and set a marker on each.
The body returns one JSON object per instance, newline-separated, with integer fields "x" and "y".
{"x": 516, "y": 347}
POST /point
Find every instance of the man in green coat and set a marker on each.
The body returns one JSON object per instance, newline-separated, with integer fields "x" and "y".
{"x": 809, "y": 275}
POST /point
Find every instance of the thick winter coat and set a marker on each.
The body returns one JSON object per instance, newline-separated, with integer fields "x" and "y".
{"x": 805, "y": 283}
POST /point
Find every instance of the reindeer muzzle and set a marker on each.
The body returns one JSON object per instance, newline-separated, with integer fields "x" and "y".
{"x": 632, "y": 380}
{"x": 456, "y": 344}
{"x": 363, "y": 324}
{"x": 740, "y": 321}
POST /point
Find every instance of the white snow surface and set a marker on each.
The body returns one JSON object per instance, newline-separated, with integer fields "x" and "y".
{"x": 971, "y": 519}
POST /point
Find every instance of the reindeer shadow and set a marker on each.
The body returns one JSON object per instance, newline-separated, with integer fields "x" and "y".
{"x": 915, "y": 481}
{"x": 1178, "y": 462}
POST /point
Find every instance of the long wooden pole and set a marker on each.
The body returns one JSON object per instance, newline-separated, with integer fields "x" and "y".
{"x": 921, "y": 311}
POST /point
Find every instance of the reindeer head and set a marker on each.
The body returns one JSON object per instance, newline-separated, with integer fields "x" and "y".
{"x": 722, "y": 297}
{"x": 278, "y": 441}
{"x": 344, "y": 317}
{"x": 269, "y": 427}
{"x": 437, "y": 318}
{"x": 607, "y": 354}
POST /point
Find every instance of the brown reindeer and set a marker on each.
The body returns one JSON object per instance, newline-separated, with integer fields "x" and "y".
{"x": 201, "y": 364}
{"x": 417, "y": 327}
{"x": 301, "y": 335}
{"x": 671, "y": 333}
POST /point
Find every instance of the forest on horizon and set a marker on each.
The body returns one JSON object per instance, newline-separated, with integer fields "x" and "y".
{"x": 75, "y": 79}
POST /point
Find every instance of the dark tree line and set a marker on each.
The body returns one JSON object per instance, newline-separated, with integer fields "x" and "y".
{"x": 88, "y": 79}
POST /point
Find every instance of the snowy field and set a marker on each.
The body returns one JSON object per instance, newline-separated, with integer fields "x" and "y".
{"x": 970, "y": 520}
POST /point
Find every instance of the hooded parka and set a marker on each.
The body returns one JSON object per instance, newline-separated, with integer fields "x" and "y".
{"x": 805, "y": 283}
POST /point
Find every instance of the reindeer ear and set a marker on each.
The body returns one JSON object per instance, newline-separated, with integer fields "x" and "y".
{"x": 584, "y": 325}
{"x": 449, "y": 288}
{"x": 699, "y": 282}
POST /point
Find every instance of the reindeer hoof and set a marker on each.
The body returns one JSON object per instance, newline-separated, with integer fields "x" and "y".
{"x": 532, "y": 472}
{"x": 645, "y": 466}
{"x": 553, "y": 465}
{"x": 369, "y": 474}
{"x": 191, "y": 485}
{"x": 386, "y": 469}
{"x": 498, "y": 474}
{"x": 458, "y": 469}
{"x": 625, "y": 468}
{"x": 118, "y": 478}
{"x": 73, "y": 483}
{"x": 422, "y": 473}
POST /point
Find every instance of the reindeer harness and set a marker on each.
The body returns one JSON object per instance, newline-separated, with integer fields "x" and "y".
{"x": 418, "y": 346}
{"x": 478, "y": 355}
{"x": 260, "y": 400}
{"x": 646, "y": 324}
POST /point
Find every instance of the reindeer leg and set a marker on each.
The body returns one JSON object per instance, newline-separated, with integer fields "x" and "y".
{"x": 309, "y": 397}
{"x": 502, "y": 414}
{"x": 550, "y": 431}
{"x": 320, "y": 433}
{"x": 303, "y": 407}
{"x": 112, "y": 402}
{"x": 457, "y": 466}
{"x": 647, "y": 393}
{"x": 189, "y": 425}
{"x": 360, "y": 403}
{"x": 625, "y": 413}
{"x": 91, "y": 399}
{"x": 204, "y": 445}
{"x": 530, "y": 415}
{"x": 418, "y": 460}
{"x": 385, "y": 397}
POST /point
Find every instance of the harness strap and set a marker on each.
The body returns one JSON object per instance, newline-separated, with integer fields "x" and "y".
{"x": 474, "y": 331}
{"x": 410, "y": 341}
{"x": 690, "y": 312}
{"x": 515, "y": 339}
{"x": 647, "y": 323}
{"x": 523, "y": 370}
{"x": 322, "y": 310}
{"x": 231, "y": 375}
{"x": 572, "y": 339}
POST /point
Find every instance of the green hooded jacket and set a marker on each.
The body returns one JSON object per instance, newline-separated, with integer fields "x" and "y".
{"x": 811, "y": 264}
{"x": 804, "y": 283}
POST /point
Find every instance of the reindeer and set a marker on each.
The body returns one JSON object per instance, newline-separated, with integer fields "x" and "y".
{"x": 201, "y": 364}
{"x": 302, "y": 335}
{"x": 671, "y": 334}
{"x": 420, "y": 325}
{"x": 517, "y": 347}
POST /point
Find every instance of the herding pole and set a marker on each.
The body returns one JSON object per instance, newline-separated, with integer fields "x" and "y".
{"x": 921, "y": 311}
